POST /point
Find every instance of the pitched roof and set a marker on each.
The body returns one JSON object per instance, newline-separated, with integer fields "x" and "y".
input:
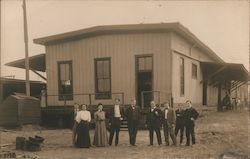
{"x": 129, "y": 28}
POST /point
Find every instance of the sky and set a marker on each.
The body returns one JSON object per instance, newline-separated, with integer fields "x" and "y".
{"x": 222, "y": 25}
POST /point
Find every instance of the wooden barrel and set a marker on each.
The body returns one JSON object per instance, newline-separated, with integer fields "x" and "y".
{"x": 20, "y": 143}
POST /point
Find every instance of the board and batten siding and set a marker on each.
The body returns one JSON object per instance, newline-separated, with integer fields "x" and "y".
{"x": 193, "y": 87}
{"x": 122, "y": 49}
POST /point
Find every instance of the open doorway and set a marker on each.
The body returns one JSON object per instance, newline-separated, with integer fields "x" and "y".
{"x": 144, "y": 80}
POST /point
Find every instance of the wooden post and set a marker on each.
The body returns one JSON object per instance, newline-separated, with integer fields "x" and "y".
{"x": 90, "y": 102}
{"x": 142, "y": 100}
{"x": 219, "y": 105}
{"x": 122, "y": 98}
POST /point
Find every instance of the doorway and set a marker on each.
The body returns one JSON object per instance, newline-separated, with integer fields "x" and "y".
{"x": 144, "y": 80}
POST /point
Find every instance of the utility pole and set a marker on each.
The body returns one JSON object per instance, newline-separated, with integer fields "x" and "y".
{"x": 27, "y": 83}
{"x": 0, "y": 66}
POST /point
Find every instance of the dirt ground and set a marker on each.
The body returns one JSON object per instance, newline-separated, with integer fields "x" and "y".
{"x": 218, "y": 134}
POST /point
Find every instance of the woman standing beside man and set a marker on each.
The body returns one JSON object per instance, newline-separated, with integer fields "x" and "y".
{"x": 100, "y": 138}
{"x": 83, "y": 118}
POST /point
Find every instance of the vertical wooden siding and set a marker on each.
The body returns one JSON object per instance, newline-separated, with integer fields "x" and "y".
{"x": 193, "y": 87}
{"x": 122, "y": 50}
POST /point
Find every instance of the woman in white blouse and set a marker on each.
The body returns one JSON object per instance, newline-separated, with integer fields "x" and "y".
{"x": 83, "y": 118}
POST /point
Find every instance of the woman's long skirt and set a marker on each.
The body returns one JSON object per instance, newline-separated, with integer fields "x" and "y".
{"x": 100, "y": 138}
{"x": 74, "y": 133}
{"x": 83, "y": 139}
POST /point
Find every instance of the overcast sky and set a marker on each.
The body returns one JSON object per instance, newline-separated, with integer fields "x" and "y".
{"x": 221, "y": 25}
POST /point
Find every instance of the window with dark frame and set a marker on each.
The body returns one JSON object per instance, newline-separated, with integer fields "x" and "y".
{"x": 194, "y": 71}
{"x": 145, "y": 63}
{"x": 182, "y": 79}
{"x": 103, "y": 78}
{"x": 65, "y": 80}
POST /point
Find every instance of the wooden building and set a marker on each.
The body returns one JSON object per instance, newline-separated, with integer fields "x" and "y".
{"x": 19, "y": 109}
{"x": 15, "y": 107}
{"x": 9, "y": 86}
{"x": 160, "y": 62}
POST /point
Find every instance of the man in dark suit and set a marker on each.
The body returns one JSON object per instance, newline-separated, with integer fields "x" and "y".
{"x": 169, "y": 120}
{"x": 190, "y": 116}
{"x": 133, "y": 116}
{"x": 154, "y": 122}
{"x": 115, "y": 119}
{"x": 180, "y": 121}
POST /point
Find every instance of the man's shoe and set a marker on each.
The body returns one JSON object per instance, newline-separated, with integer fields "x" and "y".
{"x": 150, "y": 145}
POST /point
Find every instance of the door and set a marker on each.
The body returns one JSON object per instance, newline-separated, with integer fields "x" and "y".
{"x": 144, "y": 80}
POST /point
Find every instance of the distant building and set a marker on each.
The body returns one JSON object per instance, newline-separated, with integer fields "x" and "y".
{"x": 10, "y": 86}
{"x": 15, "y": 107}
{"x": 142, "y": 61}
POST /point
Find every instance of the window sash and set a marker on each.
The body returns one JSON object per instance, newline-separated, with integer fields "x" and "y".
{"x": 145, "y": 63}
{"x": 65, "y": 80}
{"x": 103, "y": 78}
{"x": 194, "y": 71}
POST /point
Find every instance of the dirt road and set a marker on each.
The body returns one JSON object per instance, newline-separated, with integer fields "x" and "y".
{"x": 217, "y": 133}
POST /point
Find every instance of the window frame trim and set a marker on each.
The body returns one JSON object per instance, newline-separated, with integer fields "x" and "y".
{"x": 96, "y": 78}
{"x": 182, "y": 94}
{"x": 60, "y": 98}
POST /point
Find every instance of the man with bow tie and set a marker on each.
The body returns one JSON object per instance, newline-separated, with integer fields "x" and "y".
{"x": 154, "y": 122}
{"x": 133, "y": 116}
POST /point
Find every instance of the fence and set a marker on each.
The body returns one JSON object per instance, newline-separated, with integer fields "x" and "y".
{"x": 157, "y": 96}
{"x": 82, "y": 98}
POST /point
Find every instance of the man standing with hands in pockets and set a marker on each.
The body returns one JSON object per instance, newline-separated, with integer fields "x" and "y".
{"x": 115, "y": 122}
{"x": 169, "y": 123}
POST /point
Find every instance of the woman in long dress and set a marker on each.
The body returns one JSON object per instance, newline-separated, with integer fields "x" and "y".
{"x": 100, "y": 138}
{"x": 83, "y": 118}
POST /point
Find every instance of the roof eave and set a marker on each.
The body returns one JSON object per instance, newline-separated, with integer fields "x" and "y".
{"x": 131, "y": 28}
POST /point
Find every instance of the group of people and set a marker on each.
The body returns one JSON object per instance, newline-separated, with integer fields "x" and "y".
{"x": 172, "y": 122}
{"x": 229, "y": 103}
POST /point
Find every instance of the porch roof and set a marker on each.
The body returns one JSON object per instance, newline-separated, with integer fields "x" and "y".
{"x": 36, "y": 63}
{"x": 224, "y": 72}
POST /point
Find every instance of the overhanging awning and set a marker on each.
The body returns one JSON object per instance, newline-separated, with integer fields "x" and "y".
{"x": 36, "y": 63}
{"x": 224, "y": 72}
